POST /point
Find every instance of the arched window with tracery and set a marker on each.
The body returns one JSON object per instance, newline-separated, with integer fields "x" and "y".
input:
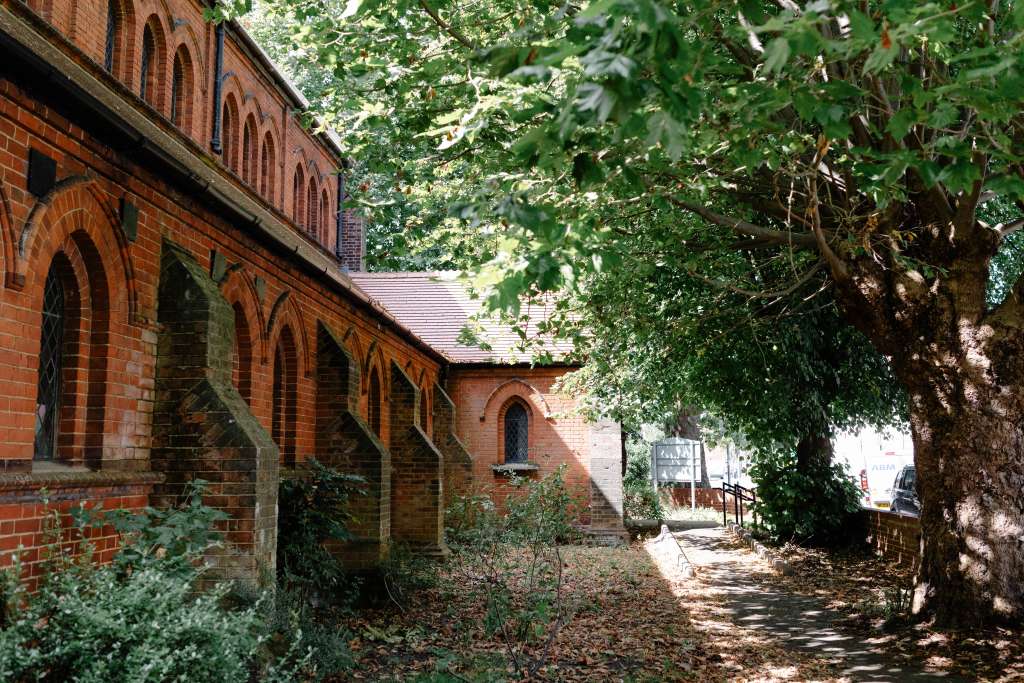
{"x": 299, "y": 197}
{"x": 284, "y": 397}
{"x": 181, "y": 90}
{"x": 312, "y": 220}
{"x": 516, "y": 425}
{"x": 50, "y": 387}
{"x": 374, "y": 406}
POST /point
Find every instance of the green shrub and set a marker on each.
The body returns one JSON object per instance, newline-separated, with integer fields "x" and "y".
{"x": 640, "y": 500}
{"x": 816, "y": 506}
{"x": 138, "y": 619}
{"x": 313, "y": 510}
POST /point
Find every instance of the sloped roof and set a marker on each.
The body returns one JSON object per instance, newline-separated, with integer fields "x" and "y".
{"x": 436, "y": 306}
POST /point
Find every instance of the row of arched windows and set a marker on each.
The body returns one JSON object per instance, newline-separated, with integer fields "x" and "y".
{"x": 251, "y": 156}
{"x": 151, "y": 74}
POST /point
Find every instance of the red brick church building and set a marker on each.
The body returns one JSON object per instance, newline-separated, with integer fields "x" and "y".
{"x": 182, "y": 298}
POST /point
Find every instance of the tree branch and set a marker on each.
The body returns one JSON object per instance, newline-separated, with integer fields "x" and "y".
{"x": 446, "y": 27}
{"x": 780, "y": 237}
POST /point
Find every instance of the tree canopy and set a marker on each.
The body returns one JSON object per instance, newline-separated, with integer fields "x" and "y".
{"x": 856, "y": 142}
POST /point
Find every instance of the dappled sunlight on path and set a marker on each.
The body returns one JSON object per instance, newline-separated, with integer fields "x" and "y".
{"x": 751, "y": 611}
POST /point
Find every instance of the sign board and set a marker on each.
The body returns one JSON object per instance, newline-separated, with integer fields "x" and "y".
{"x": 676, "y": 460}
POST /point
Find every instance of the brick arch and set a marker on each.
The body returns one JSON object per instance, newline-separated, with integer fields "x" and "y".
{"x": 250, "y": 150}
{"x": 514, "y": 400}
{"x": 250, "y": 330}
{"x": 299, "y": 196}
{"x": 286, "y": 313}
{"x": 183, "y": 92}
{"x": 513, "y": 387}
{"x": 123, "y": 52}
{"x": 85, "y": 272}
{"x": 284, "y": 393}
{"x": 156, "y": 82}
{"x": 77, "y": 204}
{"x": 376, "y": 397}
{"x": 268, "y": 166}
{"x": 231, "y": 126}
{"x": 193, "y": 44}
{"x": 312, "y": 212}
{"x": 8, "y": 239}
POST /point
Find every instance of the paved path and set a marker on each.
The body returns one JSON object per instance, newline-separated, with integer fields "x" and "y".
{"x": 800, "y": 622}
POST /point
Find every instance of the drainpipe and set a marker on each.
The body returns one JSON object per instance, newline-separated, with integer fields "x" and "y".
{"x": 218, "y": 78}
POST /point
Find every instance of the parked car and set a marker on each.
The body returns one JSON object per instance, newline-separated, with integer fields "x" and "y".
{"x": 904, "y": 492}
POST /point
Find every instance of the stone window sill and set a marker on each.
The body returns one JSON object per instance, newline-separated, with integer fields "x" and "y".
{"x": 514, "y": 468}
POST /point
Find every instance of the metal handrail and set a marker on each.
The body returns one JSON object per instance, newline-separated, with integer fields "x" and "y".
{"x": 740, "y": 494}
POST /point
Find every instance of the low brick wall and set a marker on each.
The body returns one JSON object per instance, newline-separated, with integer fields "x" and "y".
{"x": 679, "y": 496}
{"x": 27, "y": 500}
{"x": 895, "y": 536}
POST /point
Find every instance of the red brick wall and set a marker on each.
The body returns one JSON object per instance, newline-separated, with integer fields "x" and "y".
{"x": 895, "y": 536}
{"x": 248, "y": 90}
{"x": 556, "y": 434}
{"x": 24, "y": 511}
{"x": 107, "y": 419}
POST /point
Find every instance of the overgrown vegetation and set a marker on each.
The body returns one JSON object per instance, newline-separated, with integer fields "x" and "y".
{"x": 512, "y": 564}
{"x": 139, "y": 618}
{"x": 815, "y": 505}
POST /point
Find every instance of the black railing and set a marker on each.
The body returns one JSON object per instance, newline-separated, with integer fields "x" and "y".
{"x": 740, "y": 495}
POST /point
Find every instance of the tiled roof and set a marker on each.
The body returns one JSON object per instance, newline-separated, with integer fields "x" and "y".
{"x": 436, "y": 306}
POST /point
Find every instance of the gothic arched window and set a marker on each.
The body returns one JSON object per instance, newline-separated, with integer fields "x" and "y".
{"x": 517, "y": 433}
{"x": 51, "y": 356}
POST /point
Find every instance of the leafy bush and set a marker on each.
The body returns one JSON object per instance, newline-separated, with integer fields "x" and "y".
{"x": 313, "y": 510}
{"x": 138, "y": 619}
{"x": 814, "y": 506}
{"x": 640, "y": 498}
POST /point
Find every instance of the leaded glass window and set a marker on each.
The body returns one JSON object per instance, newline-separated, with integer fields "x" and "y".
{"x": 112, "y": 21}
{"x": 517, "y": 430}
{"x": 148, "y": 48}
{"x": 51, "y": 351}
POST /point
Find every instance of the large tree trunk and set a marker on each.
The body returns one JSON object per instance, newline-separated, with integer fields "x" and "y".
{"x": 968, "y": 445}
{"x": 813, "y": 451}
{"x": 963, "y": 367}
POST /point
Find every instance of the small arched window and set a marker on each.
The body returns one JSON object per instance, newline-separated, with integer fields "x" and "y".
{"x": 517, "y": 433}
{"x": 51, "y": 364}
{"x": 325, "y": 209}
{"x": 267, "y": 167}
{"x": 229, "y": 135}
{"x": 249, "y": 143}
{"x": 299, "y": 197}
{"x": 312, "y": 220}
{"x": 147, "y": 85}
{"x": 181, "y": 90}
{"x": 113, "y": 34}
{"x": 373, "y": 402}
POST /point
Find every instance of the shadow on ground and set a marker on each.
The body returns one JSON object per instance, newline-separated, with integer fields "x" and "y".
{"x": 800, "y": 622}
